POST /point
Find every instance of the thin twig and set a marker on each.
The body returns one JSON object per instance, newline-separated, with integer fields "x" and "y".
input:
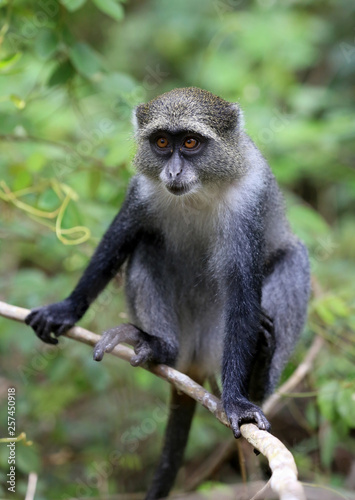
{"x": 31, "y": 486}
{"x": 210, "y": 465}
{"x": 284, "y": 472}
{"x": 259, "y": 495}
{"x": 269, "y": 407}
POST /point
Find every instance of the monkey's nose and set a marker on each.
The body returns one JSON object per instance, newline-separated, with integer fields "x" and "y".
{"x": 174, "y": 168}
{"x": 173, "y": 174}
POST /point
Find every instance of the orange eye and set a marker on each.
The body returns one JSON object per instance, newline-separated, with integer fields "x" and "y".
{"x": 190, "y": 143}
{"x": 162, "y": 142}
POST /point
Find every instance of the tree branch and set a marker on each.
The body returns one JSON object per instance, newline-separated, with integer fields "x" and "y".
{"x": 284, "y": 472}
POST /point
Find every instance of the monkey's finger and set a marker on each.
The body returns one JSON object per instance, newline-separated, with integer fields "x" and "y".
{"x": 98, "y": 353}
{"x": 45, "y": 334}
{"x": 140, "y": 358}
{"x": 38, "y": 324}
{"x": 62, "y": 329}
{"x": 261, "y": 421}
{"x": 111, "y": 341}
{"x": 31, "y": 317}
{"x": 234, "y": 421}
{"x": 105, "y": 344}
{"x": 35, "y": 320}
{"x": 267, "y": 322}
{"x": 265, "y": 315}
{"x": 47, "y": 338}
{"x": 126, "y": 333}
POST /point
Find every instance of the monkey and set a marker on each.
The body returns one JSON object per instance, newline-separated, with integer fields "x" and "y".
{"x": 215, "y": 280}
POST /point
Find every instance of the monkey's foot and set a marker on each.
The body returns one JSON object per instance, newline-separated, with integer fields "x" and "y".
{"x": 128, "y": 334}
{"x": 242, "y": 412}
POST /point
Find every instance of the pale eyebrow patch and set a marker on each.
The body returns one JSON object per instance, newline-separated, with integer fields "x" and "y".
{"x": 188, "y": 126}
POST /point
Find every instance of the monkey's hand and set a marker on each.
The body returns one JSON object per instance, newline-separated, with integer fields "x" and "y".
{"x": 55, "y": 318}
{"x": 128, "y": 334}
{"x": 242, "y": 411}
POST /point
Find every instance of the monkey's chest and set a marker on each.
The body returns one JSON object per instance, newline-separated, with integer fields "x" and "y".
{"x": 199, "y": 307}
{"x": 178, "y": 287}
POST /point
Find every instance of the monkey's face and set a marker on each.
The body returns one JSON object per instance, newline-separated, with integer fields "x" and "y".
{"x": 177, "y": 155}
{"x": 187, "y": 139}
{"x": 184, "y": 161}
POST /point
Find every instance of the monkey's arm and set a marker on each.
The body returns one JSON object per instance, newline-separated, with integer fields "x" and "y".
{"x": 115, "y": 246}
{"x": 243, "y": 316}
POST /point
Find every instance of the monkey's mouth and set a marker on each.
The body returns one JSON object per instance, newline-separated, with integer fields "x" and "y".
{"x": 178, "y": 189}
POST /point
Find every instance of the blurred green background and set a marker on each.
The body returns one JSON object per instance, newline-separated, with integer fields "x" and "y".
{"x": 71, "y": 73}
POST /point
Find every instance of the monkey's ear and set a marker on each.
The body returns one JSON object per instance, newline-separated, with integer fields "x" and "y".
{"x": 140, "y": 115}
{"x": 237, "y": 116}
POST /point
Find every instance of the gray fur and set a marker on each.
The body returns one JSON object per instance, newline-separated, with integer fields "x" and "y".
{"x": 177, "y": 288}
{"x": 187, "y": 289}
{"x": 215, "y": 279}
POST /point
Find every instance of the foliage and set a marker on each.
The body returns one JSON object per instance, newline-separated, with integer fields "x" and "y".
{"x": 71, "y": 72}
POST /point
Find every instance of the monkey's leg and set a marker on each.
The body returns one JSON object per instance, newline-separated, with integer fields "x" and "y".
{"x": 154, "y": 333}
{"x": 182, "y": 409}
{"x": 265, "y": 350}
{"x": 285, "y": 296}
{"x": 150, "y": 298}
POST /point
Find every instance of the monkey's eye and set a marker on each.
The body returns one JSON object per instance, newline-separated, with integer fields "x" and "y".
{"x": 162, "y": 142}
{"x": 191, "y": 143}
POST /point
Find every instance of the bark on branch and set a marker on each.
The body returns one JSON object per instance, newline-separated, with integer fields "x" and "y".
{"x": 284, "y": 480}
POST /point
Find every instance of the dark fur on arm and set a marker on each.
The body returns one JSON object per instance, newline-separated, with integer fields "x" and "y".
{"x": 117, "y": 243}
{"x": 243, "y": 315}
{"x": 114, "y": 248}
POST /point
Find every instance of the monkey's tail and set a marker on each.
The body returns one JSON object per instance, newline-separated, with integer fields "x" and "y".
{"x": 182, "y": 409}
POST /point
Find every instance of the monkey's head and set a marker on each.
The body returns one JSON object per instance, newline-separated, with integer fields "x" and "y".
{"x": 188, "y": 138}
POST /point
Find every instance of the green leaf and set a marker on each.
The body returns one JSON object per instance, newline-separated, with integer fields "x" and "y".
{"x": 329, "y": 440}
{"x": 111, "y": 8}
{"x": 330, "y": 307}
{"x": 46, "y": 44}
{"x": 67, "y": 36}
{"x": 27, "y": 458}
{"x": 63, "y": 72}
{"x": 309, "y": 219}
{"x": 327, "y": 398}
{"x": 72, "y": 5}
{"x": 345, "y": 403}
{"x": 10, "y": 60}
{"x": 84, "y": 59}
{"x": 118, "y": 84}
{"x": 17, "y": 101}
{"x": 94, "y": 182}
{"x": 22, "y": 178}
{"x": 311, "y": 415}
{"x": 339, "y": 307}
{"x": 47, "y": 200}
{"x": 324, "y": 312}
{"x": 35, "y": 162}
